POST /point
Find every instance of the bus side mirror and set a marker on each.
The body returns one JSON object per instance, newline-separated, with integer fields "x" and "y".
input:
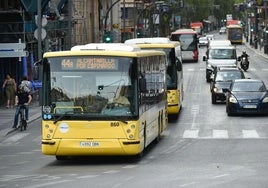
{"x": 143, "y": 88}
{"x": 35, "y": 72}
{"x": 179, "y": 65}
{"x": 225, "y": 90}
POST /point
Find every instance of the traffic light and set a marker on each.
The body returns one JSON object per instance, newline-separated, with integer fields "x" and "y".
{"x": 139, "y": 33}
{"x": 108, "y": 37}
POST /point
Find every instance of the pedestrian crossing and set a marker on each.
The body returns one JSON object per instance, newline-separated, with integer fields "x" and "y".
{"x": 221, "y": 134}
{"x": 187, "y": 134}
{"x": 204, "y": 69}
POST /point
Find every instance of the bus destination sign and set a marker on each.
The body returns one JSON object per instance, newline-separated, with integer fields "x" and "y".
{"x": 89, "y": 64}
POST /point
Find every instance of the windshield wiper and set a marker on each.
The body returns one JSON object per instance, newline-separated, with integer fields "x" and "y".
{"x": 62, "y": 116}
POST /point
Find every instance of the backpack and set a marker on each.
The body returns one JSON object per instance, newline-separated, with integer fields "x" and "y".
{"x": 26, "y": 85}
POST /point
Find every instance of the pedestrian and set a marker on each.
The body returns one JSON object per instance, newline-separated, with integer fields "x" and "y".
{"x": 261, "y": 43}
{"x": 10, "y": 89}
{"x": 22, "y": 100}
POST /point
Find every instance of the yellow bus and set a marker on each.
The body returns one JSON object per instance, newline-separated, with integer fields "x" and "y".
{"x": 102, "y": 99}
{"x": 235, "y": 34}
{"x": 174, "y": 68}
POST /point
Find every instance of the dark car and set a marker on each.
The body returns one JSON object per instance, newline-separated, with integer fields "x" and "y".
{"x": 247, "y": 96}
{"x": 221, "y": 79}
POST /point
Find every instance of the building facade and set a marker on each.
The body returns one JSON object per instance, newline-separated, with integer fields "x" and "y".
{"x": 64, "y": 24}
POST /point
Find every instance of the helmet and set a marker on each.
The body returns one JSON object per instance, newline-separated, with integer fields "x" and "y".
{"x": 244, "y": 52}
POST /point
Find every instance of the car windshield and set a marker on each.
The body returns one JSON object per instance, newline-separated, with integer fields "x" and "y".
{"x": 228, "y": 75}
{"x": 248, "y": 87}
{"x": 222, "y": 54}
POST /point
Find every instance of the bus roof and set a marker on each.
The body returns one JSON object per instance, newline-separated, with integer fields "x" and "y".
{"x": 185, "y": 31}
{"x": 106, "y": 46}
{"x": 104, "y": 49}
{"x": 155, "y": 42}
{"x": 234, "y": 26}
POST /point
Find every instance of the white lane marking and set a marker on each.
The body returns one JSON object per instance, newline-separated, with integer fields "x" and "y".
{"x": 220, "y": 176}
{"x": 250, "y": 134}
{"x": 111, "y": 172}
{"x": 14, "y": 138}
{"x": 87, "y": 176}
{"x": 129, "y": 166}
{"x": 195, "y": 112}
{"x": 188, "y": 184}
{"x": 191, "y": 133}
{"x": 190, "y": 70}
{"x": 49, "y": 184}
{"x": 220, "y": 134}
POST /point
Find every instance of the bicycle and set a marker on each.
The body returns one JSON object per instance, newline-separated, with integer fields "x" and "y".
{"x": 23, "y": 121}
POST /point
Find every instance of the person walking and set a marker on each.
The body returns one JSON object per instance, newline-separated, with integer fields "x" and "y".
{"x": 10, "y": 87}
{"x": 23, "y": 99}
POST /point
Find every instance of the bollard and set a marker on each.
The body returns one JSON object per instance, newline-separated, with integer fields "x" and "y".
{"x": 265, "y": 48}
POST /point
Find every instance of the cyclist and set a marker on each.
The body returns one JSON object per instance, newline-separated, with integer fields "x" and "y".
{"x": 22, "y": 100}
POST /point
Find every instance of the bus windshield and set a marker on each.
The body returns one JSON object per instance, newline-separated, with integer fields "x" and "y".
{"x": 90, "y": 86}
{"x": 188, "y": 41}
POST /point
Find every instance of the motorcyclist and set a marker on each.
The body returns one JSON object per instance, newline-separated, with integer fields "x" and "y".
{"x": 244, "y": 54}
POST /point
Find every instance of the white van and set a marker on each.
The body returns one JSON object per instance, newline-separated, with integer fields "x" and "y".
{"x": 219, "y": 55}
{"x": 219, "y": 43}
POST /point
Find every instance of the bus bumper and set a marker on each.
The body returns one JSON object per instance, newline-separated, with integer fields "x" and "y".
{"x": 173, "y": 109}
{"x": 75, "y": 147}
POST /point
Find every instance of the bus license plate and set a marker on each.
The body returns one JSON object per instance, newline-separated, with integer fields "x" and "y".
{"x": 250, "y": 106}
{"x": 89, "y": 144}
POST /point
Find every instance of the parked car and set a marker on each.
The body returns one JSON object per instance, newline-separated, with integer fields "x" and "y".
{"x": 203, "y": 41}
{"x": 222, "y": 30}
{"x": 247, "y": 96}
{"x": 221, "y": 79}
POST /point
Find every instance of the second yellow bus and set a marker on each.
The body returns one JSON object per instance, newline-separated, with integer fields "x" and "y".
{"x": 174, "y": 68}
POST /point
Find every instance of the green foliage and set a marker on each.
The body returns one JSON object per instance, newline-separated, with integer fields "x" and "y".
{"x": 197, "y": 10}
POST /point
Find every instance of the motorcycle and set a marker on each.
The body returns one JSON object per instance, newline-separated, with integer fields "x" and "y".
{"x": 244, "y": 63}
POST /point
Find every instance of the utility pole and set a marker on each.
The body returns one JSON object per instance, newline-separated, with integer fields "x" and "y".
{"x": 266, "y": 27}
{"x": 39, "y": 27}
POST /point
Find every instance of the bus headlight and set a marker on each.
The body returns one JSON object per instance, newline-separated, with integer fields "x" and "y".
{"x": 130, "y": 131}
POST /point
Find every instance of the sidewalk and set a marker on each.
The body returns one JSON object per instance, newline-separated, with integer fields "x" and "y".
{"x": 258, "y": 50}
{"x": 7, "y": 117}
